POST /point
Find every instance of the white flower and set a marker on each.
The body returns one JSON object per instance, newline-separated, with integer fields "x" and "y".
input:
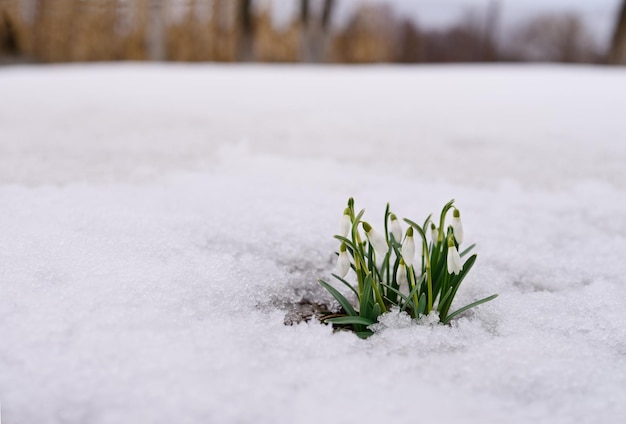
{"x": 408, "y": 247}
{"x": 396, "y": 229}
{"x": 377, "y": 241}
{"x": 343, "y": 262}
{"x": 455, "y": 265}
{"x": 434, "y": 234}
{"x": 457, "y": 226}
{"x": 402, "y": 278}
{"x": 346, "y": 223}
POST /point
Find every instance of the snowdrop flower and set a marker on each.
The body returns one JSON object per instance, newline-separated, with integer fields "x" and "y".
{"x": 343, "y": 261}
{"x": 408, "y": 247}
{"x": 346, "y": 223}
{"x": 402, "y": 278}
{"x": 396, "y": 229}
{"x": 455, "y": 265}
{"x": 457, "y": 226}
{"x": 434, "y": 234}
{"x": 377, "y": 241}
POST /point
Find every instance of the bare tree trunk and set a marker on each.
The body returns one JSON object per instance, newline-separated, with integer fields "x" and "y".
{"x": 489, "y": 42}
{"x": 315, "y": 31}
{"x": 329, "y": 6}
{"x": 8, "y": 33}
{"x": 246, "y": 49}
{"x": 617, "y": 54}
{"x": 304, "y": 12}
{"x": 156, "y": 31}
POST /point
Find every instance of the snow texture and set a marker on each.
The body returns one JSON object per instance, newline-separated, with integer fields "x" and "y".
{"x": 157, "y": 221}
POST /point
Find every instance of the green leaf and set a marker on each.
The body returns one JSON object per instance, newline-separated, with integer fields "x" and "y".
{"x": 396, "y": 248}
{"x": 421, "y": 306}
{"x": 444, "y": 298}
{"x": 467, "y": 266}
{"x": 366, "y": 296}
{"x": 442, "y": 220}
{"x": 351, "y": 320}
{"x": 465, "y": 308}
{"x": 364, "y": 334}
{"x": 387, "y": 222}
{"x": 415, "y": 290}
{"x": 356, "y": 221}
{"x": 425, "y": 226}
{"x": 417, "y": 227}
{"x": 342, "y": 300}
{"x": 346, "y": 284}
{"x": 466, "y": 251}
{"x": 348, "y": 242}
{"x": 378, "y": 299}
{"x": 375, "y": 312}
{"x": 396, "y": 291}
{"x": 456, "y": 283}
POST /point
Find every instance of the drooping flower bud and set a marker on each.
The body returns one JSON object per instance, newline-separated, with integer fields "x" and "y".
{"x": 343, "y": 261}
{"x": 455, "y": 264}
{"x": 377, "y": 241}
{"x": 396, "y": 229}
{"x": 402, "y": 278}
{"x": 434, "y": 234}
{"x": 408, "y": 247}
{"x": 457, "y": 226}
{"x": 346, "y": 223}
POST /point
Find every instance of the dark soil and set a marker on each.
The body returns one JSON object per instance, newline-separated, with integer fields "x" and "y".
{"x": 304, "y": 310}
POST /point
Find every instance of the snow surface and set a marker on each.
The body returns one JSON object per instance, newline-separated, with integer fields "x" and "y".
{"x": 156, "y": 221}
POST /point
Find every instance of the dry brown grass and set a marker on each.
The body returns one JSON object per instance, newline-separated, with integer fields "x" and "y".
{"x": 277, "y": 45}
{"x": 228, "y": 31}
{"x": 368, "y": 37}
{"x": 104, "y": 30}
{"x": 15, "y": 35}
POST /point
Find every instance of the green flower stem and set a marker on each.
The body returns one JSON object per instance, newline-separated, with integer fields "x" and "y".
{"x": 387, "y": 213}
{"x": 359, "y": 255}
{"x": 429, "y": 277}
{"x": 442, "y": 221}
{"x": 386, "y": 261}
{"x": 411, "y": 274}
{"x": 429, "y": 285}
{"x": 444, "y": 290}
{"x": 379, "y": 298}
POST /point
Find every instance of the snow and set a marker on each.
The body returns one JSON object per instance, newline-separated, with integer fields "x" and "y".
{"x": 157, "y": 221}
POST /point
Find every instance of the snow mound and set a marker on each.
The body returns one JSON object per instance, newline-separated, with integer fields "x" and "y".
{"x": 157, "y": 221}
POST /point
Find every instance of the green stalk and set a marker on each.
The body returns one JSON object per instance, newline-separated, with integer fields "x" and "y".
{"x": 387, "y": 213}
{"x": 428, "y": 271}
{"x": 412, "y": 285}
{"x": 385, "y": 270}
{"x": 442, "y": 220}
{"x": 359, "y": 260}
{"x": 444, "y": 289}
{"x": 379, "y": 298}
{"x": 429, "y": 284}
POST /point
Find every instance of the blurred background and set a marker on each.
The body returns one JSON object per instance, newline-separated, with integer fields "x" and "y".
{"x": 313, "y": 31}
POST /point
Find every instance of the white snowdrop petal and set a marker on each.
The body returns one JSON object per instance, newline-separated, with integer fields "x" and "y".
{"x": 402, "y": 279}
{"x": 434, "y": 234}
{"x": 408, "y": 250}
{"x": 455, "y": 264}
{"x": 343, "y": 264}
{"x": 396, "y": 230}
{"x": 457, "y": 226}
{"x": 378, "y": 242}
{"x": 345, "y": 225}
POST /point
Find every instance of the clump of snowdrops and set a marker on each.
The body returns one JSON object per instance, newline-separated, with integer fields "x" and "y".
{"x": 399, "y": 269}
